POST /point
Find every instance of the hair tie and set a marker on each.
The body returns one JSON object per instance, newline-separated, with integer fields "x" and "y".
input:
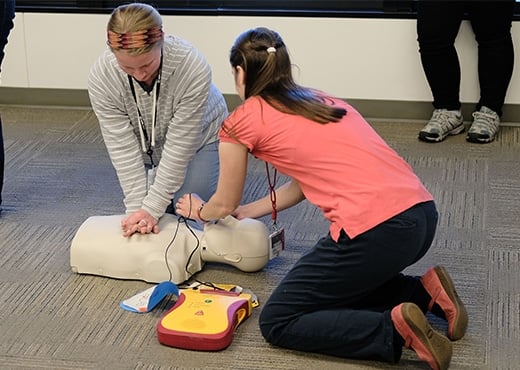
{"x": 271, "y": 49}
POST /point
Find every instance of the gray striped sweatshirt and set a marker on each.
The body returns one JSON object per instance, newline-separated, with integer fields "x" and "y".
{"x": 190, "y": 110}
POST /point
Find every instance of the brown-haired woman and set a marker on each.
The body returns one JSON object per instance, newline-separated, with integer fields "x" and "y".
{"x": 347, "y": 296}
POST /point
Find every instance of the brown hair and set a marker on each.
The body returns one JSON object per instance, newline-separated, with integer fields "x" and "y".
{"x": 135, "y": 28}
{"x": 265, "y": 60}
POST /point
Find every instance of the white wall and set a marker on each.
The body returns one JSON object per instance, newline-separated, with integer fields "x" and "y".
{"x": 354, "y": 58}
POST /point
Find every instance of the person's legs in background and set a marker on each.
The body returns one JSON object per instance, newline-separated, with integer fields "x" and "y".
{"x": 438, "y": 24}
{"x": 491, "y": 23}
{"x": 6, "y": 24}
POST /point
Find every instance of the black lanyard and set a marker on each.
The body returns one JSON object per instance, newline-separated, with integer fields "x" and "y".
{"x": 143, "y": 132}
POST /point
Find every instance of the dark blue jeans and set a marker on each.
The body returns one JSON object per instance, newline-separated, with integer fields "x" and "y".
{"x": 438, "y": 24}
{"x": 6, "y": 24}
{"x": 337, "y": 298}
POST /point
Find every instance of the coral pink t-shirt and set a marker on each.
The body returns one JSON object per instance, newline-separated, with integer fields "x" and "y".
{"x": 344, "y": 168}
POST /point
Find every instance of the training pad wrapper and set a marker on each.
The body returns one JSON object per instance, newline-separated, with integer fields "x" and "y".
{"x": 204, "y": 319}
{"x": 148, "y": 299}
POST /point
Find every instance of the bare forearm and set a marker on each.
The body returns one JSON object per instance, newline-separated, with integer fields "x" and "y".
{"x": 287, "y": 196}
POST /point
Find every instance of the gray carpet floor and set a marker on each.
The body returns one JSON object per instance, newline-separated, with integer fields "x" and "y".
{"x": 58, "y": 174}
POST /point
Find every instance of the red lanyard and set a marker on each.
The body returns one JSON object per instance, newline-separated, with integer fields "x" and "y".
{"x": 272, "y": 193}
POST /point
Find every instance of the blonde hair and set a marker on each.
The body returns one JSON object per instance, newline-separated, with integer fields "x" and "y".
{"x": 135, "y": 28}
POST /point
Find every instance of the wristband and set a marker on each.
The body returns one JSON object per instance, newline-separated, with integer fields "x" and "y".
{"x": 199, "y": 210}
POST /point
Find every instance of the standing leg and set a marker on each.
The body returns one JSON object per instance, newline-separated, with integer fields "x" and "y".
{"x": 491, "y": 22}
{"x": 6, "y": 24}
{"x": 438, "y": 24}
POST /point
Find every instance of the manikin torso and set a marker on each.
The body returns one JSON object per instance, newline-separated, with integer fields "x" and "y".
{"x": 98, "y": 248}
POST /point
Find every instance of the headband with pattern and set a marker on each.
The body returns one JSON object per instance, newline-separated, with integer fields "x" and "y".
{"x": 134, "y": 40}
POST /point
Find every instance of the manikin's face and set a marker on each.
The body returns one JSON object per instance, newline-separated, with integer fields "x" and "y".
{"x": 240, "y": 77}
{"x": 144, "y": 67}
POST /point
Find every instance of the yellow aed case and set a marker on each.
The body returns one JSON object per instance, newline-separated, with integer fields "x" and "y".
{"x": 204, "y": 319}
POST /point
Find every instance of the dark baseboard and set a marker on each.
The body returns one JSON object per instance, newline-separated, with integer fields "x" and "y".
{"x": 66, "y": 98}
{"x": 374, "y": 109}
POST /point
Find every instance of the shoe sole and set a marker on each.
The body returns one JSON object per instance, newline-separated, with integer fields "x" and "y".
{"x": 459, "y": 323}
{"x": 455, "y": 131}
{"x": 429, "y": 345}
{"x": 474, "y": 138}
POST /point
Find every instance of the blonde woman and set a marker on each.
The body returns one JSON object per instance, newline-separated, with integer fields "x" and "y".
{"x": 159, "y": 114}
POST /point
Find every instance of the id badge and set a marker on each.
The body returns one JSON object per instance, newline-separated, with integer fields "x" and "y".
{"x": 277, "y": 241}
{"x": 150, "y": 177}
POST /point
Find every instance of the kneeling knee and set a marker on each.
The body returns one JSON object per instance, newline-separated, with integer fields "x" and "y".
{"x": 265, "y": 324}
{"x": 270, "y": 326}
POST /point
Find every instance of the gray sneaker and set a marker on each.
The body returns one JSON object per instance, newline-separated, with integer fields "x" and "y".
{"x": 443, "y": 123}
{"x": 485, "y": 126}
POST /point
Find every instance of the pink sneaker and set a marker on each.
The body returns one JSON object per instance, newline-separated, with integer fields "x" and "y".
{"x": 430, "y": 346}
{"x": 440, "y": 287}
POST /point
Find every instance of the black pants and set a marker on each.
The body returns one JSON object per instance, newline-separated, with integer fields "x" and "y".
{"x": 438, "y": 24}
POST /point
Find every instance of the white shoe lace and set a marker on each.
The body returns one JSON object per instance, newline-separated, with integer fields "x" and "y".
{"x": 485, "y": 122}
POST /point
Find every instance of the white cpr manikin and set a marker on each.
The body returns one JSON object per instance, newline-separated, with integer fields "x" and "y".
{"x": 99, "y": 248}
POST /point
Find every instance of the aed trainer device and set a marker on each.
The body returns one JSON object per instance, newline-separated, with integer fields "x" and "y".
{"x": 204, "y": 319}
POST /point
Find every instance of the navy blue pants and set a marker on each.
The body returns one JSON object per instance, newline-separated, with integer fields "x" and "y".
{"x": 337, "y": 298}
{"x": 438, "y": 24}
{"x": 6, "y": 23}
